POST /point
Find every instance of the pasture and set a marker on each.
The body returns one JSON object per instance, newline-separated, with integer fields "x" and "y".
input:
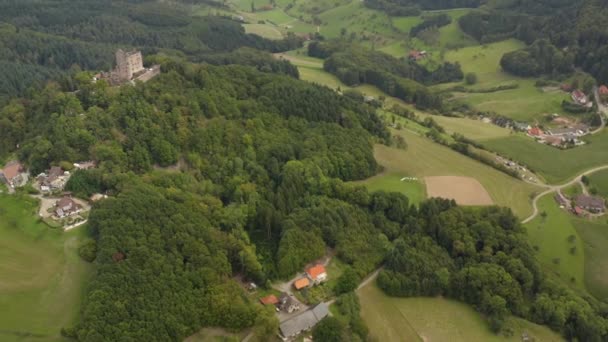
{"x": 424, "y": 158}
{"x": 559, "y": 247}
{"x": 434, "y": 319}
{"x": 553, "y": 164}
{"x": 599, "y": 182}
{"x": 263, "y": 30}
{"x": 595, "y": 239}
{"x": 391, "y": 182}
{"x": 463, "y": 190}
{"x": 525, "y": 103}
{"x": 41, "y": 275}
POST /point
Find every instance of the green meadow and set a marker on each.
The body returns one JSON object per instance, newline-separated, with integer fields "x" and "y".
{"x": 424, "y": 158}
{"x": 595, "y": 239}
{"x": 553, "y": 164}
{"x": 525, "y": 103}
{"x": 263, "y": 30}
{"x": 415, "y": 190}
{"x": 559, "y": 248}
{"x": 599, "y": 182}
{"x": 434, "y": 319}
{"x": 41, "y": 275}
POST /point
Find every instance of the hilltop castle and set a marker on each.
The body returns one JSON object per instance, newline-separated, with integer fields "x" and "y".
{"x": 129, "y": 67}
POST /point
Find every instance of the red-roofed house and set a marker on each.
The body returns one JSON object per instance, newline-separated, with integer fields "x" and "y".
{"x": 317, "y": 274}
{"x": 301, "y": 283}
{"x": 535, "y": 132}
{"x": 269, "y": 300}
{"x": 13, "y": 174}
{"x": 416, "y": 55}
{"x": 603, "y": 90}
{"x": 579, "y": 97}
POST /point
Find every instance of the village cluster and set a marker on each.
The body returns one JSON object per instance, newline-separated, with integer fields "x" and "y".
{"x": 57, "y": 205}
{"x": 566, "y": 134}
{"x": 287, "y": 304}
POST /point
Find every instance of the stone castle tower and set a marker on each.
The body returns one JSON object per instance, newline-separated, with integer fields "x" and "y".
{"x": 128, "y": 64}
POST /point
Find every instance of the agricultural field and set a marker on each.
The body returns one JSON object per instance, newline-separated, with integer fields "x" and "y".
{"x": 413, "y": 189}
{"x": 560, "y": 249}
{"x": 553, "y": 164}
{"x": 42, "y": 276}
{"x": 463, "y": 190}
{"x": 525, "y": 103}
{"x": 595, "y": 239}
{"x": 424, "y": 158}
{"x": 263, "y": 30}
{"x": 599, "y": 182}
{"x": 434, "y": 319}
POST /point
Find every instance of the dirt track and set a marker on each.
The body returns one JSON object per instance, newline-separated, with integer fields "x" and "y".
{"x": 464, "y": 190}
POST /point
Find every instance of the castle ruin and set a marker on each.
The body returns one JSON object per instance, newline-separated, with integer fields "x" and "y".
{"x": 129, "y": 68}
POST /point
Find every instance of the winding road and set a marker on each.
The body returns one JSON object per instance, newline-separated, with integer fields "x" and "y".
{"x": 601, "y": 109}
{"x": 553, "y": 188}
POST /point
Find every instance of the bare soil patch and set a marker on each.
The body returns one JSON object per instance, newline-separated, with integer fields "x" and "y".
{"x": 464, "y": 190}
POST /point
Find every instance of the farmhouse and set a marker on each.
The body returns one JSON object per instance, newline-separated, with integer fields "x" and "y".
{"x": 269, "y": 300}
{"x": 416, "y": 55}
{"x": 317, "y": 274}
{"x": 66, "y": 206}
{"x": 301, "y": 283}
{"x": 14, "y": 174}
{"x": 603, "y": 90}
{"x": 592, "y": 204}
{"x": 564, "y": 131}
{"x": 54, "y": 180}
{"x": 579, "y": 97}
{"x": 287, "y": 303}
{"x": 303, "y": 322}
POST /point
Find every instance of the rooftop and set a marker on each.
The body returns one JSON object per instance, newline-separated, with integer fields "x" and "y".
{"x": 589, "y": 202}
{"x": 12, "y": 169}
{"x": 301, "y": 283}
{"x": 269, "y": 300}
{"x": 304, "y": 321}
{"x": 316, "y": 271}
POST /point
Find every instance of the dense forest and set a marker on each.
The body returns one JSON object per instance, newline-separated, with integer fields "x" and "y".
{"x": 397, "y": 77}
{"x": 41, "y": 40}
{"x": 414, "y": 7}
{"x": 264, "y": 159}
{"x": 576, "y": 28}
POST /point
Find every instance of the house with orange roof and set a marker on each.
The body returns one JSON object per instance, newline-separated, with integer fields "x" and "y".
{"x": 317, "y": 274}
{"x": 603, "y": 90}
{"x": 269, "y": 300}
{"x": 301, "y": 283}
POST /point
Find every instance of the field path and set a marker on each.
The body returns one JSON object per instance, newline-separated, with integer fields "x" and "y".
{"x": 553, "y": 188}
{"x": 602, "y": 110}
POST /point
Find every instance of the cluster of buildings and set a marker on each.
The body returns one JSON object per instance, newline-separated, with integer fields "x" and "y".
{"x": 560, "y": 137}
{"x": 52, "y": 180}
{"x": 313, "y": 276}
{"x": 14, "y": 175}
{"x": 285, "y": 302}
{"x": 582, "y": 204}
{"x": 129, "y": 68}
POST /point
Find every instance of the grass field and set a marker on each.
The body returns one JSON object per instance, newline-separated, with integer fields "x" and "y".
{"x": 414, "y": 190}
{"x": 551, "y": 235}
{"x": 553, "y": 164}
{"x": 263, "y": 30}
{"x": 595, "y": 240}
{"x": 599, "y": 182}
{"x": 526, "y": 103}
{"x": 434, "y": 319}
{"x": 41, "y": 275}
{"x": 572, "y": 190}
{"x": 426, "y": 158}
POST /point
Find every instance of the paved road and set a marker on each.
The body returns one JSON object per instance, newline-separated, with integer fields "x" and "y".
{"x": 553, "y": 188}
